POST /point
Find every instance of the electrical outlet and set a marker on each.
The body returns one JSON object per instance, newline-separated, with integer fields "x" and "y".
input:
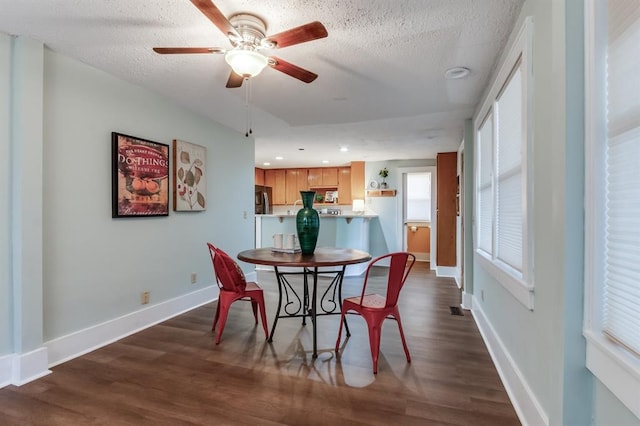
{"x": 244, "y": 214}
{"x": 194, "y": 278}
{"x": 482, "y": 295}
{"x": 144, "y": 297}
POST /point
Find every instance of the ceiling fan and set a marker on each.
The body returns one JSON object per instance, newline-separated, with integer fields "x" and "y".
{"x": 246, "y": 32}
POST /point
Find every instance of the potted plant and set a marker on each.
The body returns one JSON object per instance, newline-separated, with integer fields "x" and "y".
{"x": 383, "y": 173}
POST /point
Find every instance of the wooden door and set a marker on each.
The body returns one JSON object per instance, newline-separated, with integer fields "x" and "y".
{"x": 446, "y": 208}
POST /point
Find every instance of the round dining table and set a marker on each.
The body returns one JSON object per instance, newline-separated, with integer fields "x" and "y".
{"x": 290, "y": 303}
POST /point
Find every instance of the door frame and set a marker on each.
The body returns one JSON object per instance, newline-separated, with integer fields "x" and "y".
{"x": 401, "y": 237}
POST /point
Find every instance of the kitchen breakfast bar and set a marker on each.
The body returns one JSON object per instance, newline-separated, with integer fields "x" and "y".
{"x": 343, "y": 230}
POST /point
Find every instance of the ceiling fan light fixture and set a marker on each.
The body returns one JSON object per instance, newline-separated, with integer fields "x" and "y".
{"x": 246, "y": 63}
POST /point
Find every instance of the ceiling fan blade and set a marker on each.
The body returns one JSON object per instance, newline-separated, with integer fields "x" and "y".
{"x": 292, "y": 70}
{"x": 297, "y": 35}
{"x": 234, "y": 80}
{"x": 213, "y": 13}
{"x": 177, "y": 50}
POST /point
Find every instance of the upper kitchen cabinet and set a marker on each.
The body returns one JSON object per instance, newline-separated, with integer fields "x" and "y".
{"x": 259, "y": 179}
{"x": 329, "y": 176}
{"x": 296, "y": 181}
{"x": 344, "y": 185}
{"x": 276, "y": 179}
{"x": 286, "y": 184}
{"x": 323, "y": 176}
{"x": 357, "y": 180}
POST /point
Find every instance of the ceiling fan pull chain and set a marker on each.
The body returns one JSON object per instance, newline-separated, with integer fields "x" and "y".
{"x": 247, "y": 106}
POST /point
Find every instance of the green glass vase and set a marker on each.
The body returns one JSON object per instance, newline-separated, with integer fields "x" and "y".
{"x": 307, "y": 223}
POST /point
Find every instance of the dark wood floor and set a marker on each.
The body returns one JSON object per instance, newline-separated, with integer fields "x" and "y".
{"x": 173, "y": 373}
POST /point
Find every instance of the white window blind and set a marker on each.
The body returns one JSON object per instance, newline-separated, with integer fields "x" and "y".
{"x": 418, "y": 197}
{"x": 510, "y": 140}
{"x": 485, "y": 196}
{"x": 621, "y": 310}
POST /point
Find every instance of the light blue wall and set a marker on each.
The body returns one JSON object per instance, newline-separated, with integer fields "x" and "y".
{"x": 26, "y": 193}
{"x": 608, "y": 410}
{"x": 384, "y": 229}
{"x": 546, "y": 344}
{"x": 468, "y": 205}
{"x": 95, "y": 267}
{"x": 6, "y": 295}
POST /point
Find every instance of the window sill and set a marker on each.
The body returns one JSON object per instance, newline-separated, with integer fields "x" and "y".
{"x": 523, "y": 292}
{"x": 616, "y": 368}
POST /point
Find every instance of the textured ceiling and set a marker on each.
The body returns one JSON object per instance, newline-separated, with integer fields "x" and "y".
{"x": 380, "y": 90}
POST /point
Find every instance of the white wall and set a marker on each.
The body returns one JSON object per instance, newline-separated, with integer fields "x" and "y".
{"x": 95, "y": 267}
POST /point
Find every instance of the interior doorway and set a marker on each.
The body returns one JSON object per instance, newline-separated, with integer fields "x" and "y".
{"x": 417, "y": 225}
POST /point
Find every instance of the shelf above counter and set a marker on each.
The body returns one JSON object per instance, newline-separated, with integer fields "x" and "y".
{"x": 381, "y": 193}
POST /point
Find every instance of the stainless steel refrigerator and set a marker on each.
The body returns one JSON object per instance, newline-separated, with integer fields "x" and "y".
{"x": 263, "y": 200}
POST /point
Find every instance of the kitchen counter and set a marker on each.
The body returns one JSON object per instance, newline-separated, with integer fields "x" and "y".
{"x": 352, "y": 232}
{"x": 322, "y": 215}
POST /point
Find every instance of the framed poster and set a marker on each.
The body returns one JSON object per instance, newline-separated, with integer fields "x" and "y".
{"x": 189, "y": 177}
{"x": 140, "y": 177}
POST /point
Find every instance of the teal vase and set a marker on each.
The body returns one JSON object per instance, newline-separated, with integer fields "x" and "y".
{"x": 307, "y": 223}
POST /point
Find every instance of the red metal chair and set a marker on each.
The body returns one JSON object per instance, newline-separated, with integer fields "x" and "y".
{"x": 233, "y": 286}
{"x": 375, "y": 308}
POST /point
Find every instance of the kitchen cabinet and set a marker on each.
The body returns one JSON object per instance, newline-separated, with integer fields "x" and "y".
{"x": 286, "y": 184}
{"x": 329, "y": 176}
{"x": 344, "y": 185}
{"x": 447, "y": 182}
{"x": 276, "y": 179}
{"x": 296, "y": 181}
{"x": 323, "y": 176}
{"x": 357, "y": 180}
{"x": 314, "y": 177}
{"x": 259, "y": 178}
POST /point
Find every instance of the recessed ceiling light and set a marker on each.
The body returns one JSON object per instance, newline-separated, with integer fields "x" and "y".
{"x": 456, "y": 73}
{"x": 325, "y": 161}
{"x": 344, "y": 149}
{"x": 279, "y": 158}
{"x": 266, "y": 164}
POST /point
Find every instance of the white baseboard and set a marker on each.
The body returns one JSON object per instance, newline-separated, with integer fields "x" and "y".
{"x": 524, "y": 401}
{"x": 446, "y": 271}
{"x": 18, "y": 369}
{"x": 467, "y": 301}
{"x": 84, "y": 341}
{"x": 458, "y": 280}
{"x": 30, "y": 366}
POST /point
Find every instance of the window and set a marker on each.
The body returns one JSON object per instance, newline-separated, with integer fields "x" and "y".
{"x": 612, "y": 190}
{"x": 418, "y": 197}
{"x": 503, "y": 140}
